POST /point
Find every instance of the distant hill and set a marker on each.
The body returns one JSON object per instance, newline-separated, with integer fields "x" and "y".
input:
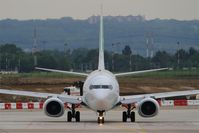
{"x": 124, "y": 30}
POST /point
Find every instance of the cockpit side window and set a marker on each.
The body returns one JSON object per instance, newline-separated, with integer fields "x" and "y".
{"x": 107, "y": 87}
{"x": 110, "y": 87}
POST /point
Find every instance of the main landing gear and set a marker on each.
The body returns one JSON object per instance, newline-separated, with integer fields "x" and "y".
{"x": 128, "y": 114}
{"x": 73, "y": 114}
{"x": 100, "y": 119}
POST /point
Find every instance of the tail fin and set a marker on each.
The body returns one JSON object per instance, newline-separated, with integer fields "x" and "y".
{"x": 101, "y": 44}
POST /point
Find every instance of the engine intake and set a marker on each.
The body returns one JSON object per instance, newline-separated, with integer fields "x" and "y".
{"x": 148, "y": 107}
{"x": 54, "y": 107}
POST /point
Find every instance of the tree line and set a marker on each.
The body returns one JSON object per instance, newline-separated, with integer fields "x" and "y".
{"x": 81, "y": 59}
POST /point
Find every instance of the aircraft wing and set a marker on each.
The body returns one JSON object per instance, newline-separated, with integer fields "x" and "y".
{"x": 138, "y": 72}
{"x": 137, "y": 98}
{"x": 63, "y": 97}
{"x": 61, "y": 71}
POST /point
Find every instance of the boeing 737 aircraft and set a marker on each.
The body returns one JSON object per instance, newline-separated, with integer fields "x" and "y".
{"x": 101, "y": 93}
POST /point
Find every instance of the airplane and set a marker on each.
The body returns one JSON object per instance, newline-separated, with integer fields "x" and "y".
{"x": 101, "y": 93}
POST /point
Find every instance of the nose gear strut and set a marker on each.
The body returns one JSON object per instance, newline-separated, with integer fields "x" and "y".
{"x": 100, "y": 119}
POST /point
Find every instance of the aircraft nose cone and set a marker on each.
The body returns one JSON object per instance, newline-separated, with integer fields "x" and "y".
{"x": 103, "y": 100}
{"x": 101, "y": 96}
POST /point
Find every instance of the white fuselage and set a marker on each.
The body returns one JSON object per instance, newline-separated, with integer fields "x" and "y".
{"x": 101, "y": 90}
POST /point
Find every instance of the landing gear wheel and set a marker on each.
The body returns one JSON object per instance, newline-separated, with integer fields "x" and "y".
{"x": 77, "y": 116}
{"x": 69, "y": 116}
{"x": 129, "y": 114}
{"x": 132, "y": 116}
{"x": 73, "y": 114}
{"x": 124, "y": 116}
{"x": 100, "y": 120}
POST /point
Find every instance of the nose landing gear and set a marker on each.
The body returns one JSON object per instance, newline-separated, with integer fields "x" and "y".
{"x": 100, "y": 119}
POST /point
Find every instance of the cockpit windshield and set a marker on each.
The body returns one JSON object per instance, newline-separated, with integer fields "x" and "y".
{"x": 110, "y": 87}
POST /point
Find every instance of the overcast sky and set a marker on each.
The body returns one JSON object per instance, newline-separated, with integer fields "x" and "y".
{"x": 81, "y": 9}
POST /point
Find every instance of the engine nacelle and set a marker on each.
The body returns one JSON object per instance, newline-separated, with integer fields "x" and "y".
{"x": 53, "y": 107}
{"x": 148, "y": 107}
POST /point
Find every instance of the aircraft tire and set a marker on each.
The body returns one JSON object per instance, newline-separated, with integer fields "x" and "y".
{"x": 124, "y": 116}
{"x": 132, "y": 116}
{"x": 77, "y": 116}
{"x": 69, "y": 116}
{"x": 103, "y": 120}
{"x": 100, "y": 121}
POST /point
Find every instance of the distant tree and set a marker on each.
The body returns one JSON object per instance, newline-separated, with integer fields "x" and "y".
{"x": 183, "y": 55}
{"x": 127, "y": 50}
{"x": 195, "y": 60}
{"x": 78, "y": 58}
{"x": 46, "y": 59}
{"x": 10, "y": 48}
{"x": 92, "y": 58}
{"x": 140, "y": 63}
{"x": 10, "y": 56}
{"x": 27, "y": 63}
{"x": 181, "y": 58}
{"x": 162, "y": 59}
{"x": 121, "y": 63}
{"x": 192, "y": 51}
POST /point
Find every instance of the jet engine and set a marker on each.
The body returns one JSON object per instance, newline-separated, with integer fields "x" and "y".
{"x": 54, "y": 107}
{"x": 148, "y": 107}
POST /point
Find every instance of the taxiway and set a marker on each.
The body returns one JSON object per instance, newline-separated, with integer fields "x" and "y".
{"x": 178, "y": 120}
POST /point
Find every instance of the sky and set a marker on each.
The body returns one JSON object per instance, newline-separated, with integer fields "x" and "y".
{"x": 82, "y": 9}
